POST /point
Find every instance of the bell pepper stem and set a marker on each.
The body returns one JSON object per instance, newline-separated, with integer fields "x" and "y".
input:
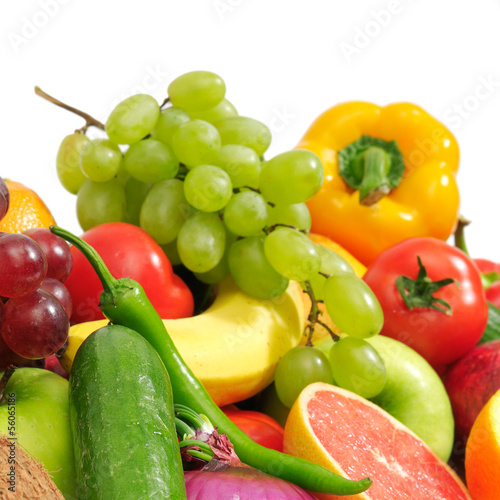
{"x": 375, "y": 185}
{"x": 372, "y": 166}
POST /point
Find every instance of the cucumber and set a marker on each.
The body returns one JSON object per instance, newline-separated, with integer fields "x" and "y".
{"x": 122, "y": 420}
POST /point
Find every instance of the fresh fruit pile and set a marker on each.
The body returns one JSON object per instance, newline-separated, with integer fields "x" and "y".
{"x": 193, "y": 176}
{"x": 267, "y": 378}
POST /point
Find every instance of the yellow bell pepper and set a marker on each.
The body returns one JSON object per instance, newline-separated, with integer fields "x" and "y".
{"x": 402, "y": 161}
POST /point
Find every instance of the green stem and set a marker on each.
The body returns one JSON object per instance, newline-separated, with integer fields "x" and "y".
{"x": 373, "y": 166}
{"x": 487, "y": 279}
{"x": 184, "y": 431}
{"x": 106, "y": 278}
{"x": 375, "y": 185}
{"x": 418, "y": 292}
{"x": 200, "y": 454}
{"x": 459, "y": 234}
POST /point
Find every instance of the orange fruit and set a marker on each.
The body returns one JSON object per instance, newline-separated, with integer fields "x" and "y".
{"x": 26, "y": 210}
{"x": 359, "y": 270}
{"x": 482, "y": 453}
{"x": 353, "y": 437}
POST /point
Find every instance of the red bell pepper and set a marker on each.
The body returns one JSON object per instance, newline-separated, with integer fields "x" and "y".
{"x": 128, "y": 251}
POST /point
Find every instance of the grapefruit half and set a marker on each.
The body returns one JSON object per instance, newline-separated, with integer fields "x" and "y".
{"x": 355, "y": 438}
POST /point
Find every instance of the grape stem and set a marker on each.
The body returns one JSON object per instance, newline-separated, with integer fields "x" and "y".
{"x": 165, "y": 101}
{"x": 9, "y": 371}
{"x": 242, "y": 188}
{"x": 275, "y": 226}
{"x": 313, "y": 318}
{"x": 89, "y": 120}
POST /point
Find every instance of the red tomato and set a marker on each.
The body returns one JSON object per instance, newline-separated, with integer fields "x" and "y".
{"x": 439, "y": 337}
{"x": 493, "y": 291}
{"x": 127, "y": 251}
{"x": 260, "y": 427}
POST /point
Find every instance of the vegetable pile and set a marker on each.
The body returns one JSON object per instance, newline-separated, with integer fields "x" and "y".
{"x": 196, "y": 245}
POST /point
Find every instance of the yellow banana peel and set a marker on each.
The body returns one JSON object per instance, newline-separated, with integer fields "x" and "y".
{"x": 234, "y": 346}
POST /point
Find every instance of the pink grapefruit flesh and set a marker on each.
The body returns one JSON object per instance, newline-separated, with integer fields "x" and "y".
{"x": 355, "y": 438}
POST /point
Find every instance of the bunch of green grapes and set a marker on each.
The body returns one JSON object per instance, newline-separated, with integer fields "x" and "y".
{"x": 193, "y": 175}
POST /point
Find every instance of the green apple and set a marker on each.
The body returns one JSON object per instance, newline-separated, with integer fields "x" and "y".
{"x": 36, "y": 412}
{"x": 414, "y": 393}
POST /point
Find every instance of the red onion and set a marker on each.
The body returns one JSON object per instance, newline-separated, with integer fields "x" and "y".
{"x": 241, "y": 483}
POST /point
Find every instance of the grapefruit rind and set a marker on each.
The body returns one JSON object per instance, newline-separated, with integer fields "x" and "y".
{"x": 363, "y": 453}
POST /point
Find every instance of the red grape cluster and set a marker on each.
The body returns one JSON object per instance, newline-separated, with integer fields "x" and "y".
{"x": 35, "y": 306}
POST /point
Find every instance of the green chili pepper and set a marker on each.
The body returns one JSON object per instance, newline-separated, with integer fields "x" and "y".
{"x": 124, "y": 302}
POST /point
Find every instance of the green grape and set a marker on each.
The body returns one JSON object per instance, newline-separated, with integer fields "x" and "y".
{"x": 196, "y": 143}
{"x": 241, "y": 163}
{"x": 100, "y": 160}
{"x": 151, "y": 161}
{"x": 68, "y": 162}
{"x": 172, "y": 253}
{"x": 291, "y": 177}
{"x": 224, "y": 109}
{"x": 292, "y": 253}
{"x": 164, "y": 210}
{"x": 216, "y": 274}
{"x": 331, "y": 263}
{"x": 269, "y": 403}
{"x": 135, "y": 194}
{"x": 208, "y": 188}
{"x": 353, "y": 306}
{"x": 299, "y": 367}
{"x": 357, "y": 367}
{"x": 132, "y": 119}
{"x": 201, "y": 242}
{"x": 251, "y": 270}
{"x": 246, "y": 213}
{"x": 168, "y": 122}
{"x": 293, "y": 215}
{"x": 197, "y": 90}
{"x": 221, "y": 270}
{"x": 122, "y": 175}
{"x": 100, "y": 202}
{"x": 246, "y": 132}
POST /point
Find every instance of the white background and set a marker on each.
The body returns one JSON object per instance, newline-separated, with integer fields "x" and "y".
{"x": 284, "y": 62}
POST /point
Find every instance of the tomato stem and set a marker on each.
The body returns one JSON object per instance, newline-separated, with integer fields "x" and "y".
{"x": 418, "y": 293}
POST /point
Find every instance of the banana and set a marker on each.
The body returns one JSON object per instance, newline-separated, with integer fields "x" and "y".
{"x": 234, "y": 346}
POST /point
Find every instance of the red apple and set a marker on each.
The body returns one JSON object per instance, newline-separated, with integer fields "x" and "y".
{"x": 470, "y": 383}
{"x": 52, "y": 364}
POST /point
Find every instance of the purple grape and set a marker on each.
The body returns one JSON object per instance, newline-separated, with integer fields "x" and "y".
{"x": 4, "y": 198}
{"x": 56, "y": 250}
{"x": 60, "y": 292}
{"x": 35, "y": 325}
{"x": 22, "y": 265}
